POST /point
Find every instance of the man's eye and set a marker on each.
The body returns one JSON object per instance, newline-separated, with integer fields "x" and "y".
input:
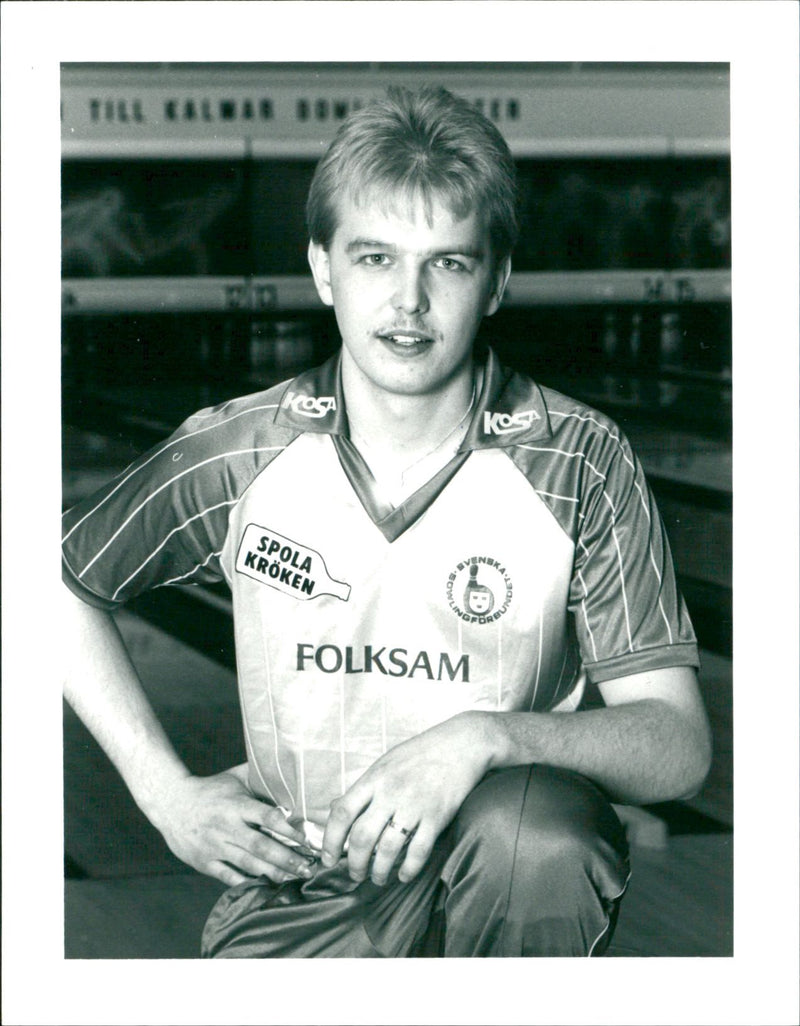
{"x": 375, "y": 259}
{"x": 449, "y": 264}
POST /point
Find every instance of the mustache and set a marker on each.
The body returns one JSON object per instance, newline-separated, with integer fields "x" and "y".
{"x": 414, "y": 330}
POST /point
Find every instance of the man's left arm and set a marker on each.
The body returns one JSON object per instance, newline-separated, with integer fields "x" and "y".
{"x": 650, "y": 743}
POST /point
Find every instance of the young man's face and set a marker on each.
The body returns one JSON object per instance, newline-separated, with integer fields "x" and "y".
{"x": 408, "y": 294}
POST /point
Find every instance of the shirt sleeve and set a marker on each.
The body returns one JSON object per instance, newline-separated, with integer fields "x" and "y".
{"x": 162, "y": 521}
{"x": 629, "y": 615}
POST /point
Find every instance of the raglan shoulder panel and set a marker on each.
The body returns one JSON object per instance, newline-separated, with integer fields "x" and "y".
{"x": 164, "y": 519}
{"x": 629, "y": 614}
{"x": 582, "y": 453}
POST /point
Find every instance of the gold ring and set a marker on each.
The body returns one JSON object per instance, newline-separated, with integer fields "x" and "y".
{"x": 396, "y": 826}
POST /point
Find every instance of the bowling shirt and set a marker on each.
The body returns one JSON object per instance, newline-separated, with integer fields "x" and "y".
{"x": 533, "y": 560}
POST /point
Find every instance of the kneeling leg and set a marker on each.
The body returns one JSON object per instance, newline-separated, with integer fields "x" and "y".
{"x": 538, "y": 867}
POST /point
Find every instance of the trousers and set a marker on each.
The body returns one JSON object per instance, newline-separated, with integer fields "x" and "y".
{"x": 534, "y": 864}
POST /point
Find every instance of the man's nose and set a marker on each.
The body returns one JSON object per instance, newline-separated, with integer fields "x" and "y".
{"x": 411, "y": 294}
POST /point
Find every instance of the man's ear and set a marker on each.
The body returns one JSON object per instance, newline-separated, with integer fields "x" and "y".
{"x": 320, "y": 263}
{"x": 501, "y": 276}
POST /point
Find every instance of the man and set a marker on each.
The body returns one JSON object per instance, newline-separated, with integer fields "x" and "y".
{"x": 428, "y": 556}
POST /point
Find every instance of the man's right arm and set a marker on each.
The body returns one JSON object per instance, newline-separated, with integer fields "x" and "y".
{"x": 212, "y": 823}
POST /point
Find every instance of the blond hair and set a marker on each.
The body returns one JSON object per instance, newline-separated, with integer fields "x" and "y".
{"x": 428, "y": 145}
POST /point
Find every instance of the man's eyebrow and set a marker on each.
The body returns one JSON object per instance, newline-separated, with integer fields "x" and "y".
{"x": 471, "y": 252}
{"x": 384, "y": 247}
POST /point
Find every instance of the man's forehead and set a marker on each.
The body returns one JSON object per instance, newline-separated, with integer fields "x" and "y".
{"x": 381, "y": 209}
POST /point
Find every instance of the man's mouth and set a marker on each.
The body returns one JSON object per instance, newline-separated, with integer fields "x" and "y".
{"x": 405, "y": 338}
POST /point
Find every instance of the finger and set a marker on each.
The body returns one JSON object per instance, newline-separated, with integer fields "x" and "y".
{"x": 299, "y": 846}
{"x": 278, "y": 876}
{"x": 390, "y": 845}
{"x": 260, "y": 853}
{"x": 225, "y": 874}
{"x": 364, "y": 836}
{"x": 231, "y": 876}
{"x": 344, "y": 811}
{"x": 417, "y": 854}
{"x": 268, "y": 817}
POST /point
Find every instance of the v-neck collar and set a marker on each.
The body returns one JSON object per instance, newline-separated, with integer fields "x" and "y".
{"x": 510, "y": 410}
{"x": 390, "y": 520}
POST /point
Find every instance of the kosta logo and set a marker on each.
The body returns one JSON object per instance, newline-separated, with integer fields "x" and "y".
{"x": 309, "y": 405}
{"x": 507, "y": 423}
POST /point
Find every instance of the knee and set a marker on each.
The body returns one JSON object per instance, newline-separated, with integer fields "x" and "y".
{"x": 566, "y": 814}
{"x": 538, "y": 866}
{"x": 531, "y": 818}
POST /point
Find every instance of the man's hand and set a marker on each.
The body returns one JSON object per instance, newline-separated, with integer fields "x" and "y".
{"x": 412, "y": 791}
{"x": 212, "y": 823}
{"x": 215, "y": 825}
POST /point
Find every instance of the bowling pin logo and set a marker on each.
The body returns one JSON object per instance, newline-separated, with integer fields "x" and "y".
{"x": 478, "y": 599}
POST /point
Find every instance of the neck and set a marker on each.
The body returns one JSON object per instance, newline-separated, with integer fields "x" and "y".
{"x": 405, "y": 424}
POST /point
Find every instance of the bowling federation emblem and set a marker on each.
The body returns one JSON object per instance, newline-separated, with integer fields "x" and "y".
{"x": 479, "y": 590}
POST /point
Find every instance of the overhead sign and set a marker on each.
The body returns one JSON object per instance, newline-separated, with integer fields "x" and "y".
{"x": 538, "y": 112}
{"x": 98, "y": 112}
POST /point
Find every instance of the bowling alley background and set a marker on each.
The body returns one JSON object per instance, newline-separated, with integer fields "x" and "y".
{"x": 185, "y": 278}
{"x": 185, "y": 283}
